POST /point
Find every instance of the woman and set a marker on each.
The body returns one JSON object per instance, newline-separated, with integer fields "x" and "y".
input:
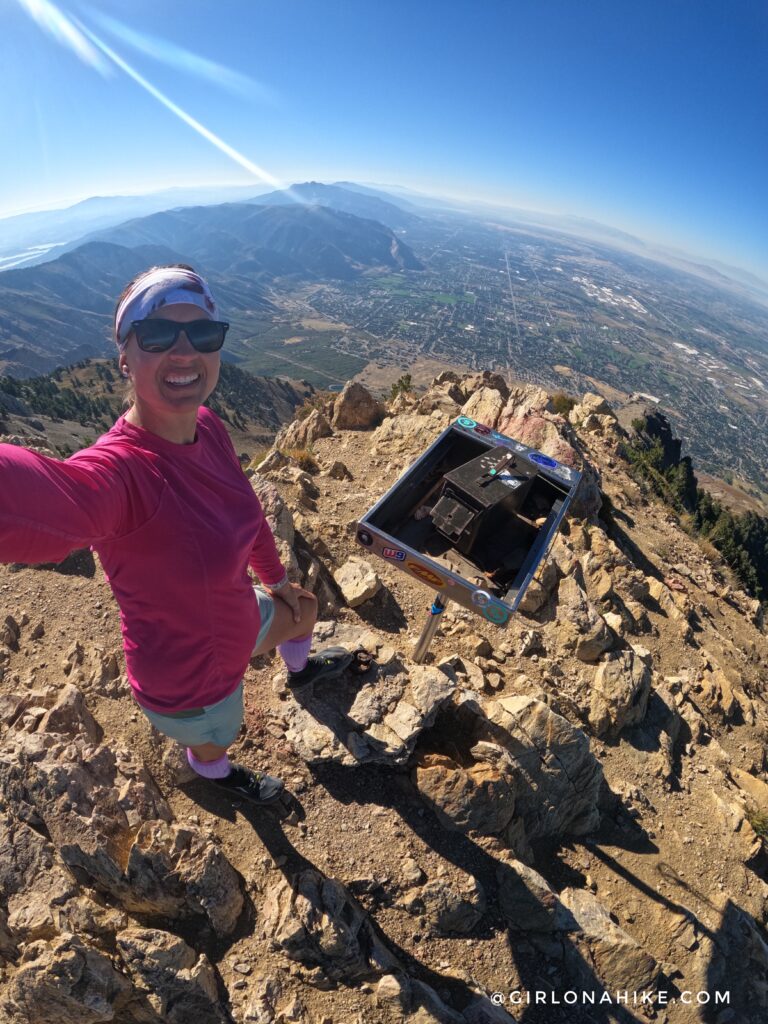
{"x": 164, "y": 502}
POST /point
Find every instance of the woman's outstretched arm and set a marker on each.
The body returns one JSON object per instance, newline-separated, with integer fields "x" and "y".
{"x": 49, "y": 508}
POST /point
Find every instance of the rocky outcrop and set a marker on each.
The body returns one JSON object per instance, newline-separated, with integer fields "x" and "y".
{"x": 356, "y": 409}
{"x": 527, "y": 773}
{"x": 316, "y": 922}
{"x": 169, "y": 975}
{"x": 300, "y": 433}
{"x": 65, "y": 982}
{"x": 378, "y": 721}
{"x": 108, "y": 824}
{"x": 558, "y": 776}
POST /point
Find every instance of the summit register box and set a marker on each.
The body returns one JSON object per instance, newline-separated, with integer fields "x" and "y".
{"x": 473, "y": 517}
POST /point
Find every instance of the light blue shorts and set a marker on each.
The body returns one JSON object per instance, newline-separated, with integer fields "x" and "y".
{"x": 217, "y": 723}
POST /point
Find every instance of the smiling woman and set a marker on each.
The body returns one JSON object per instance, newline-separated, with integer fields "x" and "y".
{"x": 164, "y": 502}
{"x": 172, "y": 370}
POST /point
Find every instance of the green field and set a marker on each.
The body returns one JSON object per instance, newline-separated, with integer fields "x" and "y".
{"x": 313, "y": 360}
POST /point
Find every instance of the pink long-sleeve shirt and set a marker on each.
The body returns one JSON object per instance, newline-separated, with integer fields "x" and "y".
{"x": 175, "y": 527}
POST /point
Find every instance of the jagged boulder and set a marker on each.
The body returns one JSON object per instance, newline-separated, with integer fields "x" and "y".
{"x": 479, "y": 797}
{"x": 65, "y": 982}
{"x": 408, "y": 433}
{"x": 356, "y": 409}
{"x": 522, "y": 772}
{"x": 595, "y": 416}
{"x": 169, "y": 975}
{"x": 558, "y": 777}
{"x": 443, "y": 395}
{"x": 279, "y": 516}
{"x": 108, "y": 823}
{"x": 301, "y": 433}
{"x": 582, "y": 629}
{"x": 316, "y": 922}
{"x": 590, "y": 405}
{"x": 620, "y": 693}
{"x": 484, "y": 405}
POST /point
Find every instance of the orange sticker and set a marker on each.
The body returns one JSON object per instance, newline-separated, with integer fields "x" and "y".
{"x": 426, "y": 574}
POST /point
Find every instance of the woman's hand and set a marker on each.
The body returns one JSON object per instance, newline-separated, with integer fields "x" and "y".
{"x": 290, "y": 593}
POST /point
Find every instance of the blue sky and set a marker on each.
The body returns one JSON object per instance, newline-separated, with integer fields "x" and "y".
{"x": 649, "y": 115}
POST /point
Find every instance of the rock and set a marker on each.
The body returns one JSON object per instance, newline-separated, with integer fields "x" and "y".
{"x": 539, "y": 590}
{"x": 453, "y": 907}
{"x": 558, "y": 777}
{"x": 339, "y": 471}
{"x": 279, "y": 516}
{"x": 664, "y": 597}
{"x": 10, "y": 633}
{"x": 581, "y": 627}
{"x": 484, "y": 406}
{"x": 590, "y": 405}
{"x": 478, "y": 798}
{"x": 398, "y": 434}
{"x": 381, "y": 724}
{"x": 317, "y": 923}
{"x": 531, "y": 643}
{"x": 261, "y": 1008}
{"x": 70, "y": 717}
{"x": 588, "y": 498}
{"x": 356, "y": 409}
{"x": 620, "y": 693}
{"x": 393, "y": 991}
{"x": 179, "y": 985}
{"x": 429, "y": 1008}
{"x": 109, "y": 824}
{"x": 620, "y": 963}
{"x": 65, "y": 982}
{"x": 478, "y": 646}
{"x": 357, "y": 581}
{"x": 301, "y": 433}
{"x": 755, "y": 789}
{"x": 410, "y": 872}
{"x": 526, "y": 899}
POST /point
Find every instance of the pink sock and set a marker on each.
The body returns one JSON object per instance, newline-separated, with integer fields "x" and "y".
{"x": 218, "y": 769}
{"x": 295, "y": 652}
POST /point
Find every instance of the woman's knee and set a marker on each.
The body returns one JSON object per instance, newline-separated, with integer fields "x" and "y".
{"x": 308, "y": 609}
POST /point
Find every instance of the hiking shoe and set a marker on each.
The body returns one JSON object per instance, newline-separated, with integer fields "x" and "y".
{"x": 251, "y": 785}
{"x": 324, "y": 665}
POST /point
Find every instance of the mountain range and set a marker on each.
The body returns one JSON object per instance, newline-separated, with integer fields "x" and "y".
{"x": 345, "y": 198}
{"x": 60, "y": 311}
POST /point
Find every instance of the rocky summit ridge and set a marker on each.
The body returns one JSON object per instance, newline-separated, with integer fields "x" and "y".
{"x": 574, "y": 804}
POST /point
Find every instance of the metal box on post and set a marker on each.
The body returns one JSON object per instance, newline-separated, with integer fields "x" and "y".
{"x": 473, "y": 517}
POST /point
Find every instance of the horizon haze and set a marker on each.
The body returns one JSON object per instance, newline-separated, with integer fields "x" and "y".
{"x": 649, "y": 120}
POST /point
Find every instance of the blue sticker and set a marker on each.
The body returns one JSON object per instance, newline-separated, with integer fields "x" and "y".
{"x": 496, "y": 613}
{"x": 465, "y": 421}
{"x": 393, "y": 553}
{"x": 542, "y": 460}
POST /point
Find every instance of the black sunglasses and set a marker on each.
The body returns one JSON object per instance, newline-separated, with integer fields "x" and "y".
{"x": 161, "y": 335}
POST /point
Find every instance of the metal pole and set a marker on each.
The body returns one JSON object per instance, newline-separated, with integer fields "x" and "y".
{"x": 430, "y": 627}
